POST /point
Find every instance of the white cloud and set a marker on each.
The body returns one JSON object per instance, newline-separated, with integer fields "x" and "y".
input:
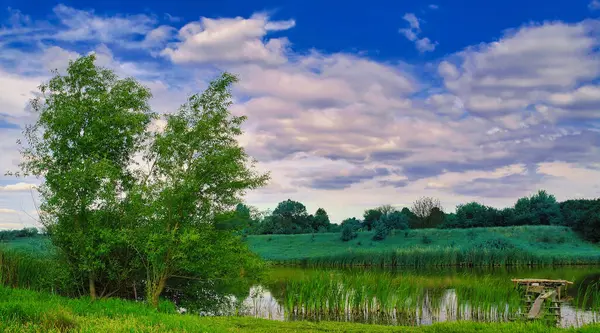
{"x": 425, "y": 45}
{"x": 230, "y": 40}
{"x": 594, "y": 5}
{"x": 433, "y": 6}
{"x": 18, "y": 187}
{"x": 8, "y": 211}
{"x": 85, "y": 25}
{"x": 422, "y": 44}
{"x": 412, "y": 20}
{"x": 172, "y": 18}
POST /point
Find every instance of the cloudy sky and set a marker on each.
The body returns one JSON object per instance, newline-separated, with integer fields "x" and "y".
{"x": 350, "y": 104}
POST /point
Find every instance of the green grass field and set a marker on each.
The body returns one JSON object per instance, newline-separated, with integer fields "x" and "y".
{"x": 525, "y": 245}
{"x": 29, "y": 311}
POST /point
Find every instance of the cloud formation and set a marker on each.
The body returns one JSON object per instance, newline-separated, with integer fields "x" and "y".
{"x": 414, "y": 30}
{"x": 343, "y": 131}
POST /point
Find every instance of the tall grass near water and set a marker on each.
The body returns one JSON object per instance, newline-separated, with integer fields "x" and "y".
{"x": 27, "y": 270}
{"x": 405, "y": 299}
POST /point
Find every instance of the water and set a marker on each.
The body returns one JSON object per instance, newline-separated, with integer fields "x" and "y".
{"x": 409, "y": 297}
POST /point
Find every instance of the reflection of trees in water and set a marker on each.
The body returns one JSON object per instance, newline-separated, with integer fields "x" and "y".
{"x": 211, "y": 297}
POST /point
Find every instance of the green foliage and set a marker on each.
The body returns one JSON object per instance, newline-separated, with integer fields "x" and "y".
{"x": 320, "y": 220}
{"x": 198, "y": 172}
{"x": 6, "y": 235}
{"x": 370, "y": 217}
{"x": 381, "y": 230}
{"x": 539, "y": 209}
{"x": 90, "y": 125}
{"x": 395, "y": 221}
{"x": 583, "y": 216}
{"x": 118, "y": 225}
{"x": 348, "y": 233}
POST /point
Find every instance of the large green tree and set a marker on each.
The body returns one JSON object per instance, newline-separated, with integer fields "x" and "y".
{"x": 198, "y": 172}
{"x": 90, "y": 125}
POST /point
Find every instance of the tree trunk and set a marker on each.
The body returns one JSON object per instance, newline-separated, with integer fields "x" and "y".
{"x": 157, "y": 289}
{"x": 93, "y": 294}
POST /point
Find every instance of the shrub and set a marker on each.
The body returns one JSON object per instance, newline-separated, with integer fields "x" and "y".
{"x": 348, "y": 233}
{"x": 381, "y": 231}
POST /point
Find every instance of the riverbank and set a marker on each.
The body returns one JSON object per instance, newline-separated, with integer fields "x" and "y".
{"x": 506, "y": 246}
{"x": 29, "y": 311}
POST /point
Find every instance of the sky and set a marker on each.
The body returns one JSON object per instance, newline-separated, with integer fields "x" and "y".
{"x": 350, "y": 104}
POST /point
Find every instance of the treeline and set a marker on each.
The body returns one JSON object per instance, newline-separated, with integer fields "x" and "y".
{"x": 542, "y": 208}
{"x": 6, "y": 235}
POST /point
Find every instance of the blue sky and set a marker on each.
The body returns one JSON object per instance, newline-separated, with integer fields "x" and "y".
{"x": 350, "y": 104}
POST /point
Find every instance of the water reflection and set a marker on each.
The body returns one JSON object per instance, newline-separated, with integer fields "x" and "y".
{"x": 413, "y": 297}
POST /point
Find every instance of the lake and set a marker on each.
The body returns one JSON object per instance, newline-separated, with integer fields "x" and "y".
{"x": 415, "y": 297}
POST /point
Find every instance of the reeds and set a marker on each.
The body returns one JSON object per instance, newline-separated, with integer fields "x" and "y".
{"x": 381, "y": 297}
{"x": 19, "y": 269}
{"x": 446, "y": 256}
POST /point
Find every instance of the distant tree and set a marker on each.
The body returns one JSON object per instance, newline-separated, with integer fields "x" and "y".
{"x": 422, "y": 208}
{"x": 583, "y": 216}
{"x": 395, "y": 220}
{"x": 348, "y": 233}
{"x": 470, "y": 215}
{"x": 539, "y": 209}
{"x": 381, "y": 230}
{"x": 386, "y": 209}
{"x": 290, "y": 217}
{"x": 435, "y": 218}
{"x": 370, "y": 217}
{"x": 353, "y": 222}
{"x": 321, "y": 220}
{"x": 413, "y": 220}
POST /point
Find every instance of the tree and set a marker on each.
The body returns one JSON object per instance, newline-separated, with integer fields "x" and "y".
{"x": 290, "y": 217}
{"x": 353, "y": 222}
{"x": 321, "y": 220}
{"x": 386, "y": 209}
{"x": 396, "y": 220}
{"x": 471, "y": 215}
{"x": 370, "y": 217}
{"x": 348, "y": 233}
{"x": 422, "y": 208}
{"x": 539, "y": 209}
{"x": 381, "y": 230}
{"x": 90, "y": 125}
{"x": 198, "y": 171}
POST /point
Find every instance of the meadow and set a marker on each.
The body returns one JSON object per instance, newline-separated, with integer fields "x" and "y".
{"x": 501, "y": 246}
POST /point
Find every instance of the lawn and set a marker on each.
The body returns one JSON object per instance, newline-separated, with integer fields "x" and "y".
{"x": 29, "y": 311}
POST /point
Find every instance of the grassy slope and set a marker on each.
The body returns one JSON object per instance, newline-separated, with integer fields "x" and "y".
{"x": 544, "y": 240}
{"x": 28, "y": 311}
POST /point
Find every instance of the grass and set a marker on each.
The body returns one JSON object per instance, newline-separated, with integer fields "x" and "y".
{"x": 30, "y": 270}
{"x": 403, "y": 296}
{"x": 508, "y": 246}
{"x": 30, "y": 311}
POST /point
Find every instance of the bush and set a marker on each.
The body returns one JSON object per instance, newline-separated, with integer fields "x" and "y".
{"x": 381, "y": 231}
{"x": 348, "y": 233}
